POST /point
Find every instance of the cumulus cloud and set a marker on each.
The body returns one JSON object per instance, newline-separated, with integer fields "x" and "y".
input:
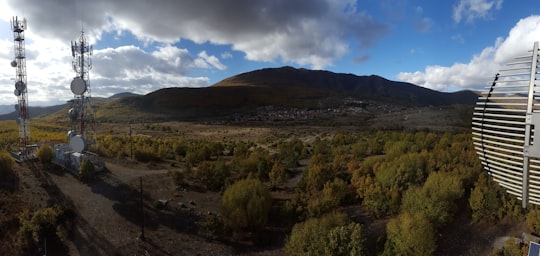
{"x": 130, "y": 68}
{"x": 305, "y": 32}
{"x": 481, "y": 69}
{"x": 469, "y": 10}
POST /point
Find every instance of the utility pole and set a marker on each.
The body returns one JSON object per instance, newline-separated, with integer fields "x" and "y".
{"x": 142, "y": 209}
{"x": 131, "y": 140}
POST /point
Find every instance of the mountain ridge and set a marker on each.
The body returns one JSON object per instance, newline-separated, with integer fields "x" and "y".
{"x": 284, "y": 87}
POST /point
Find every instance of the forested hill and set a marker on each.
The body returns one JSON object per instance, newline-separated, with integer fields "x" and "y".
{"x": 364, "y": 87}
{"x": 284, "y": 87}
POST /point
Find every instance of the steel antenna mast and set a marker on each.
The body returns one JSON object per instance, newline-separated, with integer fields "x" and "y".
{"x": 18, "y": 26}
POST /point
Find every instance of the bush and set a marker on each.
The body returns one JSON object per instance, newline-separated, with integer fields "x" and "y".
{"x": 436, "y": 199}
{"x": 410, "y": 234}
{"x": 332, "y": 234}
{"x": 484, "y": 199}
{"x": 6, "y": 163}
{"x": 245, "y": 205}
{"x": 214, "y": 175}
{"x": 533, "y": 221}
{"x": 45, "y": 154}
{"x": 86, "y": 171}
{"x": 146, "y": 156}
{"x": 51, "y": 223}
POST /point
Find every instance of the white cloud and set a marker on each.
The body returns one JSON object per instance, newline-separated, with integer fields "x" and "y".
{"x": 481, "y": 69}
{"x": 129, "y": 68}
{"x": 305, "y": 32}
{"x": 226, "y": 55}
{"x": 469, "y": 10}
{"x": 212, "y": 60}
{"x": 115, "y": 70}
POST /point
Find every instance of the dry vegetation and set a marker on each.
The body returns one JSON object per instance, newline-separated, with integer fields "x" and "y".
{"x": 361, "y": 184}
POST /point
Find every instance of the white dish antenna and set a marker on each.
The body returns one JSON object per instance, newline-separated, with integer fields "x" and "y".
{"x": 78, "y": 86}
{"x": 503, "y": 124}
{"x": 77, "y": 143}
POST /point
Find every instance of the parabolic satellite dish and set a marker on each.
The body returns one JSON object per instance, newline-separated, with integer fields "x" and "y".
{"x": 19, "y": 85}
{"x": 78, "y": 86}
{"x": 17, "y": 92}
{"x": 77, "y": 143}
{"x": 504, "y": 121}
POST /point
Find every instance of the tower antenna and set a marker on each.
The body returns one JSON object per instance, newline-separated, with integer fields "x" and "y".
{"x": 82, "y": 133}
{"x": 18, "y": 26}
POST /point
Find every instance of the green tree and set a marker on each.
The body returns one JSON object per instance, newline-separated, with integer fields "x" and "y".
{"x": 484, "y": 200}
{"x": 374, "y": 197}
{"x": 346, "y": 240}
{"x": 51, "y": 223}
{"x": 533, "y": 220}
{"x": 45, "y": 154}
{"x": 245, "y": 205}
{"x": 332, "y": 234}
{"x": 410, "y": 234}
{"x": 214, "y": 175}
{"x": 435, "y": 199}
{"x": 332, "y": 195}
{"x": 278, "y": 175}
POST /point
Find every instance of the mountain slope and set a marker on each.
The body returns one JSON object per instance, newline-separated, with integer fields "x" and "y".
{"x": 366, "y": 87}
{"x": 280, "y": 87}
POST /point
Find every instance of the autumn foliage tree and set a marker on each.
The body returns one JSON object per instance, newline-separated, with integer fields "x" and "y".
{"x": 484, "y": 199}
{"x": 245, "y": 205}
{"x": 332, "y": 234}
{"x": 410, "y": 234}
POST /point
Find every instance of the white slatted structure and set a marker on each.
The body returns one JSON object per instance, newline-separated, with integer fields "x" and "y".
{"x": 503, "y": 125}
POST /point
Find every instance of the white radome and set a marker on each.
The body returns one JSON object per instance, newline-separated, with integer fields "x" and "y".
{"x": 78, "y": 86}
{"x": 77, "y": 143}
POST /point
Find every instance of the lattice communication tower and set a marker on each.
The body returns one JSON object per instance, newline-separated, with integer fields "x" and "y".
{"x": 18, "y": 27}
{"x": 504, "y": 128}
{"x": 82, "y": 131}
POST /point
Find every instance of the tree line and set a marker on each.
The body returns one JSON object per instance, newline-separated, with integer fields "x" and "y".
{"x": 416, "y": 181}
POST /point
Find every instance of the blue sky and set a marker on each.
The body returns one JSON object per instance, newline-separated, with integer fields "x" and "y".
{"x": 142, "y": 46}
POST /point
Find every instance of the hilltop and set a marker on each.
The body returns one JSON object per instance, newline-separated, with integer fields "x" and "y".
{"x": 283, "y": 94}
{"x": 251, "y": 95}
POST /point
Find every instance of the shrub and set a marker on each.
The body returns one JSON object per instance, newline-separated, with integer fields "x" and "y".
{"x": 332, "y": 234}
{"x": 86, "y": 171}
{"x": 146, "y": 156}
{"x": 45, "y": 154}
{"x": 410, "y": 234}
{"x": 533, "y": 221}
{"x": 484, "y": 200}
{"x": 214, "y": 175}
{"x": 6, "y": 163}
{"x": 52, "y": 223}
{"x": 245, "y": 205}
